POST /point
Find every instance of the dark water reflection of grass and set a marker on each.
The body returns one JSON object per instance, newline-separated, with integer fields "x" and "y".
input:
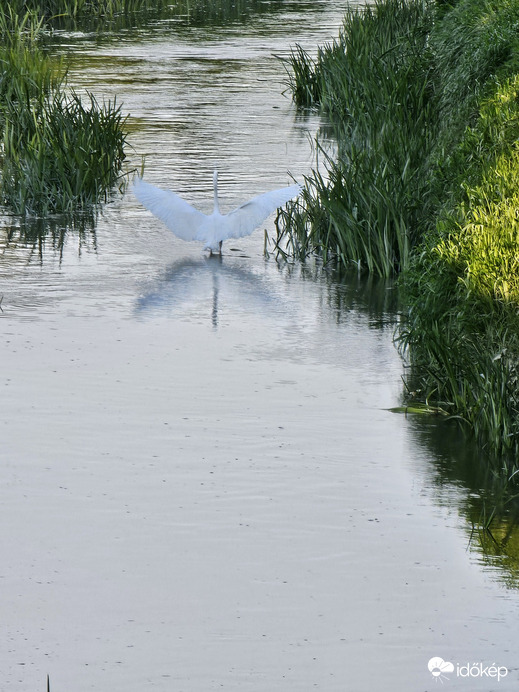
{"x": 491, "y": 515}
{"x": 48, "y": 234}
{"x": 350, "y": 291}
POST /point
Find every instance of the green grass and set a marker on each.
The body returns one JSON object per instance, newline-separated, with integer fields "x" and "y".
{"x": 58, "y": 153}
{"x": 365, "y": 207}
{"x": 462, "y": 329}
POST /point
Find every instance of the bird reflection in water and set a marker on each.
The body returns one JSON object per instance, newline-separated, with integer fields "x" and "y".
{"x": 190, "y": 285}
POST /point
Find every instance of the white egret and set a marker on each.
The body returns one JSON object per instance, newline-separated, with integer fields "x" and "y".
{"x": 212, "y": 229}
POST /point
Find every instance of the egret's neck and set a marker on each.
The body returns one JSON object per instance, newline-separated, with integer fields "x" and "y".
{"x": 215, "y": 180}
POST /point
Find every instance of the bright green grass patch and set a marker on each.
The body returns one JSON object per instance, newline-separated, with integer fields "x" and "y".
{"x": 482, "y": 245}
{"x": 462, "y": 328}
{"x": 485, "y": 252}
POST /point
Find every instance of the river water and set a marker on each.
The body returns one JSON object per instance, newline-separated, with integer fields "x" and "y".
{"x": 202, "y": 487}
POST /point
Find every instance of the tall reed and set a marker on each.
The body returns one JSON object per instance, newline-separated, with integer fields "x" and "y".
{"x": 366, "y": 207}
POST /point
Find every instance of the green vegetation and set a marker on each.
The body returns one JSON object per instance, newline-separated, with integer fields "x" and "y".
{"x": 367, "y": 207}
{"x": 111, "y": 16}
{"x": 56, "y": 153}
{"x": 425, "y": 101}
{"x": 462, "y": 286}
{"x": 49, "y": 9}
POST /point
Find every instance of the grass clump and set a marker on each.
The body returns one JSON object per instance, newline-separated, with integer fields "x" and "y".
{"x": 373, "y": 82}
{"x": 58, "y": 153}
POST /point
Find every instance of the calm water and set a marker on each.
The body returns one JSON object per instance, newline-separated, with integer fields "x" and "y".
{"x": 201, "y": 485}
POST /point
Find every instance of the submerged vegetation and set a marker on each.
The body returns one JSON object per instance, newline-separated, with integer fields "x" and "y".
{"x": 424, "y": 98}
{"x": 58, "y": 152}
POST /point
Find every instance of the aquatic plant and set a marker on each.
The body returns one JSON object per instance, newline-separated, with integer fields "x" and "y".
{"x": 367, "y": 206}
{"x": 59, "y": 155}
{"x": 57, "y": 152}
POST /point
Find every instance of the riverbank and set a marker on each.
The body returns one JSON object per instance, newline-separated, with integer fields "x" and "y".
{"x": 424, "y": 183}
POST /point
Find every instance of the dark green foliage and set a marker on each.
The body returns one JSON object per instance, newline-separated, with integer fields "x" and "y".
{"x": 373, "y": 81}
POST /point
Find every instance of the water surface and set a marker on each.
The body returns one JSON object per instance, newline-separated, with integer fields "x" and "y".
{"x": 202, "y": 487}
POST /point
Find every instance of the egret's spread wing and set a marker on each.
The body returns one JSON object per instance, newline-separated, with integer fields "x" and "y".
{"x": 243, "y": 220}
{"x": 179, "y": 216}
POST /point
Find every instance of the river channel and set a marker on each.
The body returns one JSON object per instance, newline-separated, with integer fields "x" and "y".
{"x": 202, "y": 487}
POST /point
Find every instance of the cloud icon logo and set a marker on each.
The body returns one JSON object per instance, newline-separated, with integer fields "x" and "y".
{"x": 438, "y": 667}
